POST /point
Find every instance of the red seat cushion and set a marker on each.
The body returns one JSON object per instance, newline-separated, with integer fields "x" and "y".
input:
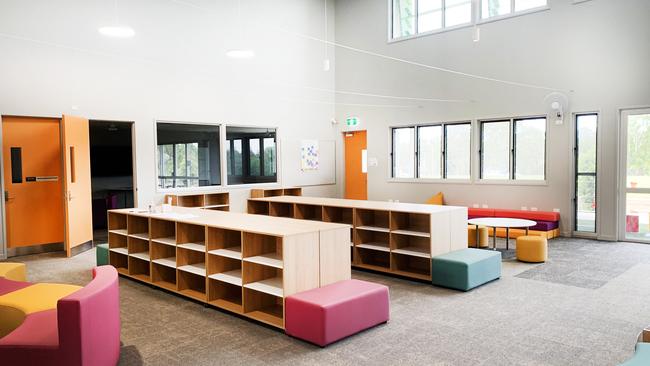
{"x": 528, "y": 215}
{"x": 480, "y": 212}
{"x": 7, "y": 286}
{"x": 39, "y": 330}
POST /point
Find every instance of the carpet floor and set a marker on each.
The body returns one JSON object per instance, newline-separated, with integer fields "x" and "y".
{"x": 585, "y": 306}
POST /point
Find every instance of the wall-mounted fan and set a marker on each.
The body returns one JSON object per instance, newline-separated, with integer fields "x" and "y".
{"x": 556, "y": 105}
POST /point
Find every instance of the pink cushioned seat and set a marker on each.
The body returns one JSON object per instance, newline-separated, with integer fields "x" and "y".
{"x": 7, "y": 286}
{"x": 85, "y": 325}
{"x": 330, "y": 313}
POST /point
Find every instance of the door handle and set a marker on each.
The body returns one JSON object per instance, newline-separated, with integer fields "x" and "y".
{"x": 69, "y": 196}
{"x": 8, "y": 197}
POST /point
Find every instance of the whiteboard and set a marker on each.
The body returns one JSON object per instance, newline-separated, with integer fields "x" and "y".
{"x": 293, "y": 175}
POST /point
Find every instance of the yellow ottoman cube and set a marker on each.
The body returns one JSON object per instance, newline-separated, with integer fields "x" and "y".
{"x": 482, "y": 237}
{"x": 533, "y": 249}
{"x": 13, "y": 271}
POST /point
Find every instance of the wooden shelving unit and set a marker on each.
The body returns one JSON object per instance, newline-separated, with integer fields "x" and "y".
{"x": 219, "y": 201}
{"x": 396, "y": 238}
{"x": 245, "y": 264}
{"x": 274, "y": 192}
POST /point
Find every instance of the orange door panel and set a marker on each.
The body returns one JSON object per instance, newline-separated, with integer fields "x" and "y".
{"x": 356, "y": 181}
{"x": 34, "y": 208}
{"x": 78, "y": 196}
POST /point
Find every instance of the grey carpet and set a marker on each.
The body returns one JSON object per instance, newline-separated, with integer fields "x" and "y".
{"x": 533, "y": 315}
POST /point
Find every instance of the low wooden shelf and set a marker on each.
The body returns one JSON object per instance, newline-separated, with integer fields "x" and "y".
{"x": 273, "y": 192}
{"x": 246, "y": 264}
{"x": 396, "y": 238}
{"x": 206, "y": 200}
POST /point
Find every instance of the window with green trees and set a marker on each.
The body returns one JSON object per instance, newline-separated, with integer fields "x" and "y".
{"x": 251, "y": 155}
{"x": 586, "y": 128}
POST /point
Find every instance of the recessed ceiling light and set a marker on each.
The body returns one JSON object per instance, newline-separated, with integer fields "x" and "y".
{"x": 240, "y": 53}
{"x": 117, "y": 31}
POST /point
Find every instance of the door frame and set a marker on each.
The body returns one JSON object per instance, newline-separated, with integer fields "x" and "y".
{"x": 343, "y": 133}
{"x": 574, "y": 167}
{"x": 622, "y": 189}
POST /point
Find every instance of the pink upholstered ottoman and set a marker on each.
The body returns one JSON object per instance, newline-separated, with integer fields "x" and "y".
{"x": 330, "y": 313}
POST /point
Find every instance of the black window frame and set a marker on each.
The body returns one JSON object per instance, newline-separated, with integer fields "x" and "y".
{"x": 246, "y": 177}
{"x": 577, "y": 173}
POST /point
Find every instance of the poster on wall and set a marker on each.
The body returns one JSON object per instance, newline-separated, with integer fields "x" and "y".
{"x": 309, "y": 155}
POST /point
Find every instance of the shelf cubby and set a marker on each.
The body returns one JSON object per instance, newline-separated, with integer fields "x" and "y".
{"x": 163, "y": 254}
{"x": 190, "y": 236}
{"x": 139, "y": 268}
{"x": 138, "y": 248}
{"x": 262, "y": 278}
{"x": 214, "y": 199}
{"x": 224, "y": 242}
{"x": 263, "y": 307}
{"x": 225, "y": 269}
{"x": 416, "y": 246}
{"x": 309, "y": 212}
{"x": 192, "y": 261}
{"x": 163, "y": 231}
{"x": 163, "y": 276}
{"x": 377, "y": 220}
{"x": 194, "y": 200}
{"x": 280, "y": 209}
{"x": 120, "y": 261}
{"x": 262, "y": 249}
{"x": 258, "y": 207}
{"x": 373, "y": 259}
{"x": 116, "y": 240}
{"x": 225, "y": 295}
{"x": 294, "y": 191}
{"x": 138, "y": 226}
{"x": 409, "y": 223}
{"x": 191, "y": 285}
{"x": 340, "y": 215}
{"x": 273, "y": 192}
{"x": 412, "y": 266}
{"x": 117, "y": 223}
{"x": 372, "y": 240}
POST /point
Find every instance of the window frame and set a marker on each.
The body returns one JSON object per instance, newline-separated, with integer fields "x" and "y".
{"x": 512, "y": 14}
{"x": 512, "y": 140}
{"x": 443, "y": 153}
{"x": 577, "y": 174}
{"x": 246, "y": 160}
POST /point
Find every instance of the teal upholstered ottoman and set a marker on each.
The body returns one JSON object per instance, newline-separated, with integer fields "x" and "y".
{"x": 102, "y": 254}
{"x": 641, "y": 356}
{"x": 466, "y": 268}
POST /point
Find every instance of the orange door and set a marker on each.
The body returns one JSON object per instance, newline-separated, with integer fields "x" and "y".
{"x": 356, "y": 177}
{"x": 78, "y": 196}
{"x": 32, "y": 176}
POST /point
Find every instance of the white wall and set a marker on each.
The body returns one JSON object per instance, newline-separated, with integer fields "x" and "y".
{"x": 597, "y": 51}
{"x": 53, "y": 61}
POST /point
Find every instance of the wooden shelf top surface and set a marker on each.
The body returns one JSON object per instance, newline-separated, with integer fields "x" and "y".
{"x": 362, "y": 204}
{"x": 270, "y": 259}
{"x": 232, "y": 277}
{"x": 271, "y": 286}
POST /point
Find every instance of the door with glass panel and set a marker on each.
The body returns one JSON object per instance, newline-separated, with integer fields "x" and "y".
{"x": 634, "y": 200}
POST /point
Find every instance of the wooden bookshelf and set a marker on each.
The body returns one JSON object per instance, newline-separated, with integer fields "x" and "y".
{"x": 274, "y": 192}
{"x": 219, "y": 201}
{"x": 245, "y": 264}
{"x": 395, "y": 238}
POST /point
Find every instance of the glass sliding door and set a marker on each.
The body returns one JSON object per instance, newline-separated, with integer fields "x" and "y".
{"x": 634, "y": 203}
{"x": 585, "y": 150}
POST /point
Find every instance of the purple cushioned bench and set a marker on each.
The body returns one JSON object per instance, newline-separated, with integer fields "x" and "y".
{"x": 330, "y": 313}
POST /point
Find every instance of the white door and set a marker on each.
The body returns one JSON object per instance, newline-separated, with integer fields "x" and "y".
{"x": 634, "y": 200}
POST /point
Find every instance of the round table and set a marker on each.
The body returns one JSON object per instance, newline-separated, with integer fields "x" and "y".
{"x": 495, "y": 222}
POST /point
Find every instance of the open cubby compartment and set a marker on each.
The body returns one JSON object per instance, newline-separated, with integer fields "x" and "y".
{"x": 163, "y": 254}
{"x": 225, "y": 295}
{"x": 281, "y": 209}
{"x": 212, "y": 199}
{"x": 373, "y": 258}
{"x": 372, "y": 219}
{"x": 188, "y": 260}
{"x": 138, "y": 225}
{"x": 258, "y": 207}
{"x": 416, "y": 246}
{"x": 341, "y": 215}
{"x": 139, "y": 268}
{"x": 372, "y": 240}
{"x": 138, "y": 248}
{"x": 273, "y": 192}
{"x": 193, "y": 200}
{"x": 411, "y": 266}
{"x": 262, "y": 249}
{"x": 163, "y": 231}
{"x": 309, "y": 212}
{"x": 117, "y": 222}
{"x": 119, "y": 261}
{"x": 225, "y": 269}
{"x": 191, "y": 285}
{"x": 190, "y": 236}
{"x": 410, "y": 223}
{"x": 116, "y": 240}
{"x": 163, "y": 276}
{"x": 294, "y": 191}
{"x": 263, "y": 307}
{"x": 224, "y": 242}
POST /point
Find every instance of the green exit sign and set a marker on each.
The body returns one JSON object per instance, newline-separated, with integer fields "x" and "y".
{"x": 352, "y": 121}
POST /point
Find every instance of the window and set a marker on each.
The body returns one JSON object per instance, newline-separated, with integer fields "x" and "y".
{"x": 251, "y": 154}
{"x": 187, "y": 155}
{"x": 411, "y": 17}
{"x": 513, "y": 149}
{"x": 442, "y": 151}
{"x": 585, "y": 151}
{"x": 497, "y": 8}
